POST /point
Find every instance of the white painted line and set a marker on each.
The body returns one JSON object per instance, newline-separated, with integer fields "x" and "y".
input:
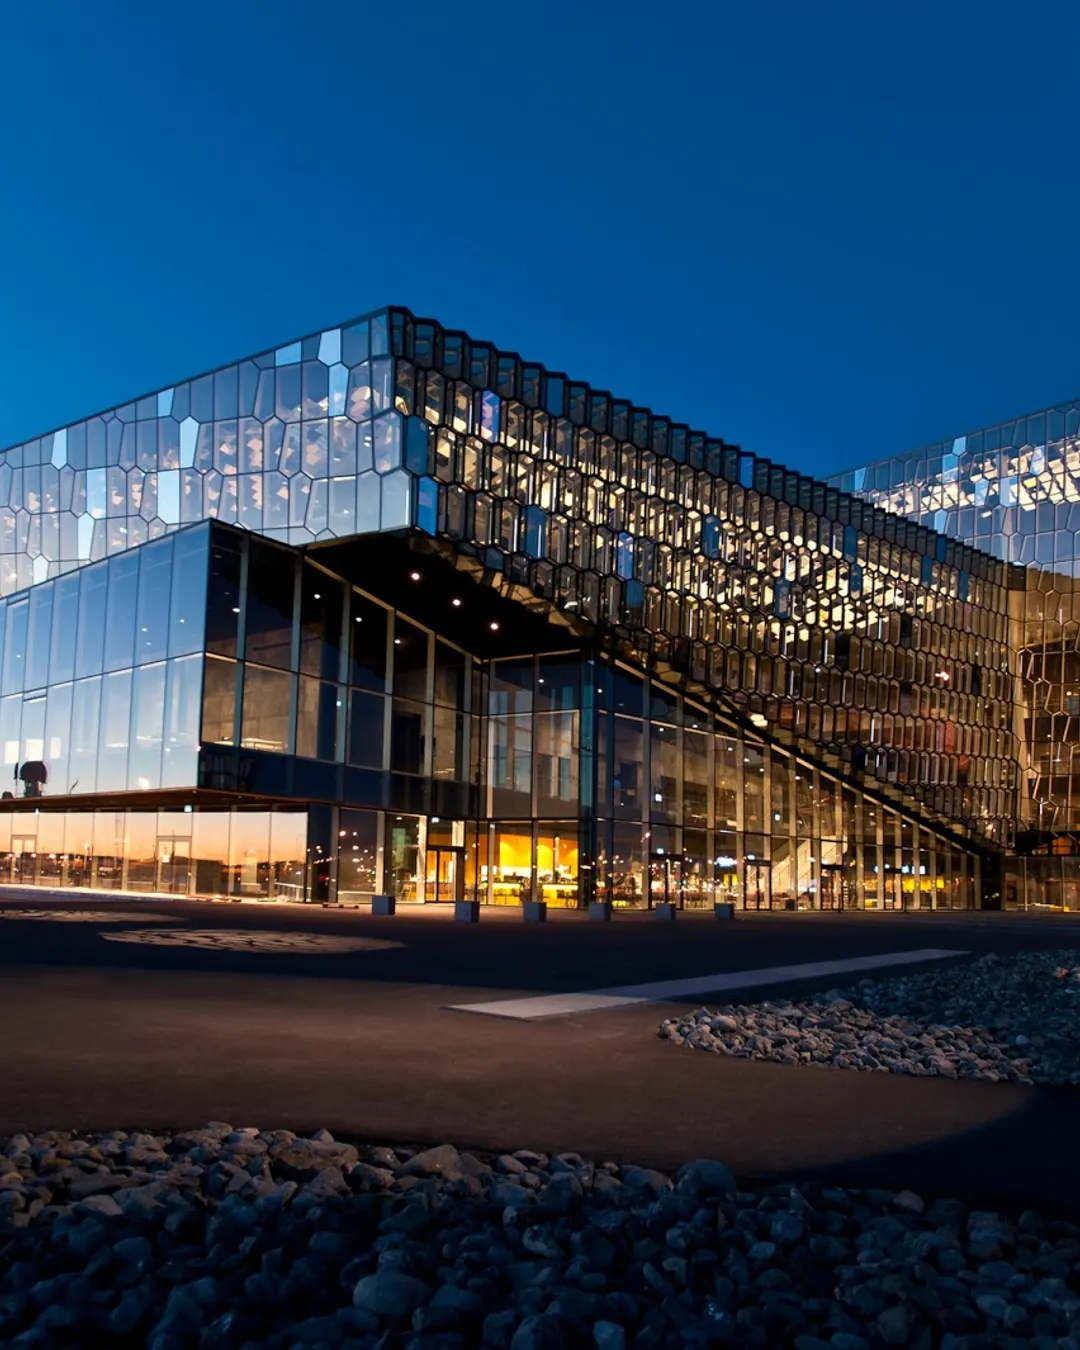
{"x": 552, "y": 1005}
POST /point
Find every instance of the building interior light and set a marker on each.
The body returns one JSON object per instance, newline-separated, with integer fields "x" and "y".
{"x": 414, "y": 576}
{"x": 456, "y": 602}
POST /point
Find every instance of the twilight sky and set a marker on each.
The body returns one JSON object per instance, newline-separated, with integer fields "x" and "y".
{"x": 826, "y": 232}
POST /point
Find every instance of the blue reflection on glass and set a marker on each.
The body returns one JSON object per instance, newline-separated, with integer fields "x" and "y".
{"x": 330, "y": 347}
{"x": 427, "y": 505}
{"x": 339, "y": 387}
{"x": 624, "y": 556}
{"x": 536, "y": 532}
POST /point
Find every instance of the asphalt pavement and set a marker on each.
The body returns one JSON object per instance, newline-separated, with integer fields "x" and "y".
{"x": 97, "y": 1033}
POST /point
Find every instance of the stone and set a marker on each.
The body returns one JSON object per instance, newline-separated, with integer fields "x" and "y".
{"x": 462, "y": 1302}
{"x": 133, "y": 1250}
{"x": 390, "y": 1294}
{"x": 440, "y": 1161}
{"x": 134, "y": 1309}
{"x": 539, "y": 1332}
{"x": 894, "y": 1325}
{"x": 330, "y": 1181}
{"x": 645, "y": 1179}
{"x": 609, "y": 1336}
{"x": 705, "y": 1178}
{"x": 303, "y": 1159}
{"x": 365, "y": 1177}
{"x": 499, "y": 1329}
{"x": 539, "y": 1242}
{"x": 103, "y": 1205}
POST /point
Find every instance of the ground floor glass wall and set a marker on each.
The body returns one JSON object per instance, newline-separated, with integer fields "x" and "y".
{"x": 256, "y": 855}
{"x": 351, "y": 854}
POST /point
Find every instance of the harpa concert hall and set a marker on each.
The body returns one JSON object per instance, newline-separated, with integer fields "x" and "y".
{"x": 390, "y": 611}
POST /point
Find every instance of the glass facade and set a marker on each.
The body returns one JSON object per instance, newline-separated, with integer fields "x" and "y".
{"x": 101, "y": 674}
{"x": 464, "y": 627}
{"x": 1013, "y": 490}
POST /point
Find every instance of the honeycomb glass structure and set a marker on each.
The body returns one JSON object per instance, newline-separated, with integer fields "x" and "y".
{"x": 1013, "y": 490}
{"x": 473, "y": 628}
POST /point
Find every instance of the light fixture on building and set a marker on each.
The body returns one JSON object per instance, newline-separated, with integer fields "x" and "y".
{"x": 414, "y": 576}
{"x": 493, "y": 626}
{"x": 456, "y": 602}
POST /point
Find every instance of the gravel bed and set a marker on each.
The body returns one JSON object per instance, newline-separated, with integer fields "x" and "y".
{"x": 1003, "y": 1019}
{"x": 223, "y": 1237}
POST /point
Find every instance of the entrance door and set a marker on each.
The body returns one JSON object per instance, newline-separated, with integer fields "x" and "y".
{"x": 24, "y": 859}
{"x": 665, "y": 879}
{"x": 445, "y": 873}
{"x": 174, "y": 865}
{"x": 832, "y": 886}
{"x": 758, "y": 885}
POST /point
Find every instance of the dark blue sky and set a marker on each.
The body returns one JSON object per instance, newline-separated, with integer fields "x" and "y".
{"x": 828, "y": 232}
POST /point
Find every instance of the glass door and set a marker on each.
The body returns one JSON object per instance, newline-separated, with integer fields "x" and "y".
{"x": 665, "y": 879}
{"x": 758, "y": 885}
{"x": 24, "y": 859}
{"x": 174, "y": 865}
{"x": 445, "y": 873}
{"x": 832, "y": 886}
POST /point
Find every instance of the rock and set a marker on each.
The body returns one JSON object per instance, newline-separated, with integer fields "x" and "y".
{"x": 330, "y": 1181}
{"x": 135, "y": 1309}
{"x": 909, "y": 1202}
{"x": 366, "y": 1177}
{"x": 104, "y": 1205}
{"x": 894, "y": 1325}
{"x": 390, "y": 1294}
{"x": 303, "y": 1159}
{"x": 645, "y": 1179}
{"x": 608, "y": 1336}
{"x": 562, "y": 1193}
{"x": 433, "y": 1162}
{"x": 538, "y": 1242}
{"x": 705, "y": 1179}
{"x": 463, "y": 1303}
{"x": 540, "y": 1332}
{"x": 133, "y": 1250}
{"x": 499, "y": 1329}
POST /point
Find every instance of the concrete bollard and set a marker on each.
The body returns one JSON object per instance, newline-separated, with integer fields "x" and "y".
{"x": 467, "y": 911}
{"x": 666, "y": 911}
{"x": 383, "y": 905}
{"x": 534, "y": 911}
{"x": 600, "y": 910}
{"x": 723, "y": 909}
